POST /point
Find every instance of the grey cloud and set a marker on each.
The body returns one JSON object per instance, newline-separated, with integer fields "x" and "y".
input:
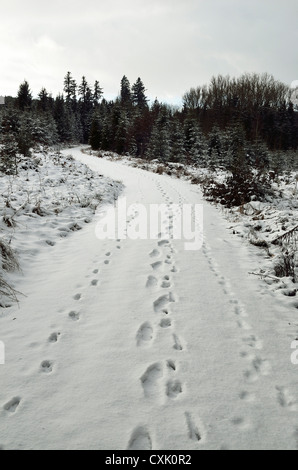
{"x": 171, "y": 44}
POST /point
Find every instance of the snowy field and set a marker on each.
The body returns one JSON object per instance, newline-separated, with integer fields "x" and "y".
{"x": 141, "y": 344}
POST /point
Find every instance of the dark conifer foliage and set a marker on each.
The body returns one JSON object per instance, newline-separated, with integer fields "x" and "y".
{"x": 24, "y": 99}
{"x": 139, "y": 98}
{"x": 125, "y": 93}
{"x": 238, "y": 125}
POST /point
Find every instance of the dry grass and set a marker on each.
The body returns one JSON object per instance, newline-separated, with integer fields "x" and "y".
{"x": 8, "y": 258}
{"x": 9, "y": 262}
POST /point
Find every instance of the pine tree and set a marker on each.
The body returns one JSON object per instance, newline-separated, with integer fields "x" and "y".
{"x": 85, "y": 108}
{"x": 160, "y": 143}
{"x": 95, "y": 133}
{"x": 70, "y": 90}
{"x": 8, "y": 147}
{"x": 97, "y": 93}
{"x": 125, "y": 92}
{"x": 177, "y": 142}
{"x": 195, "y": 143}
{"x": 60, "y": 118}
{"x": 24, "y": 99}
{"x": 25, "y": 136}
{"x": 83, "y": 89}
{"x": 44, "y": 100}
{"x": 121, "y": 144}
{"x": 139, "y": 98}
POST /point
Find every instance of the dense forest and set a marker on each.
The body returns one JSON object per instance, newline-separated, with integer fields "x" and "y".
{"x": 236, "y": 124}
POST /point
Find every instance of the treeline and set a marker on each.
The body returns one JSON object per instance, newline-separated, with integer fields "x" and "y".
{"x": 261, "y": 104}
{"x": 250, "y": 119}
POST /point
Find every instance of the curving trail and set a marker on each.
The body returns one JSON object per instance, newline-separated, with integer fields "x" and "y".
{"x": 139, "y": 344}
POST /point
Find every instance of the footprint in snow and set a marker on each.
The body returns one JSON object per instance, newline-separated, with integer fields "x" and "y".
{"x": 193, "y": 431}
{"x": 253, "y": 342}
{"x": 165, "y": 322}
{"x": 108, "y": 253}
{"x": 106, "y": 261}
{"x": 156, "y": 265}
{"x": 163, "y": 242}
{"x": 171, "y": 365}
{"x": 243, "y": 325}
{"x": 53, "y": 338}
{"x": 162, "y": 301}
{"x": 46, "y": 366}
{"x": 166, "y": 283}
{"x": 262, "y": 366}
{"x": 94, "y": 282}
{"x": 77, "y": 296}
{"x": 247, "y": 396}
{"x": 151, "y": 281}
{"x": 251, "y": 376}
{"x": 144, "y": 334}
{"x": 285, "y": 399}
{"x": 174, "y": 388}
{"x": 240, "y": 422}
{"x": 140, "y": 439}
{"x": 12, "y": 404}
{"x": 154, "y": 253}
{"x": 177, "y": 343}
{"x": 74, "y": 315}
{"x": 95, "y": 271}
{"x": 150, "y": 377}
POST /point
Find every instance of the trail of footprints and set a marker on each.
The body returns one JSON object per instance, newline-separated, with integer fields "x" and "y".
{"x": 252, "y": 346}
{"x": 161, "y": 379}
{"x": 258, "y": 366}
{"x": 47, "y": 366}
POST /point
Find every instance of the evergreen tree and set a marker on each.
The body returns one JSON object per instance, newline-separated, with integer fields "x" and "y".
{"x": 70, "y": 87}
{"x": 195, "y": 143}
{"x": 178, "y": 152}
{"x": 8, "y": 147}
{"x": 95, "y": 133}
{"x": 83, "y": 89}
{"x": 8, "y": 154}
{"x": 24, "y": 100}
{"x": 139, "y": 98}
{"x": 44, "y": 100}
{"x": 160, "y": 143}
{"x": 125, "y": 92}
{"x": 25, "y": 135}
{"x": 97, "y": 93}
{"x": 85, "y": 109}
{"x": 60, "y": 118}
{"x": 122, "y": 144}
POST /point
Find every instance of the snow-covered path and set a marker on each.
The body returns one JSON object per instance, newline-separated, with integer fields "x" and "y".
{"x": 140, "y": 344}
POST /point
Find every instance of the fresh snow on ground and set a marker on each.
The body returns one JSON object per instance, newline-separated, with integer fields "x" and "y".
{"x": 141, "y": 344}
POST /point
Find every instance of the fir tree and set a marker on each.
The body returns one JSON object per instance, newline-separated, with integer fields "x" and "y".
{"x": 44, "y": 100}
{"x": 70, "y": 91}
{"x": 8, "y": 148}
{"x": 125, "y": 92}
{"x": 139, "y": 98}
{"x": 24, "y": 99}
{"x": 97, "y": 93}
{"x": 95, "y": 133}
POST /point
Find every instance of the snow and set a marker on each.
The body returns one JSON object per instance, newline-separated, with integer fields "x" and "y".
{"x": 129, "y": 344}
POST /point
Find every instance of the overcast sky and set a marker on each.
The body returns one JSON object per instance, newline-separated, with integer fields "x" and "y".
{"x": 171, "y": 44}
